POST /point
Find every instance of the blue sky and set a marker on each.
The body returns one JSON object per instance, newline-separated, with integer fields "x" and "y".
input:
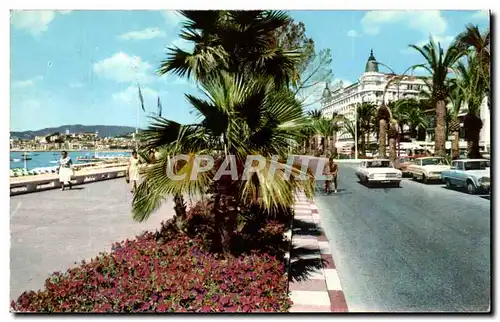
{"x": 80, "y": 67}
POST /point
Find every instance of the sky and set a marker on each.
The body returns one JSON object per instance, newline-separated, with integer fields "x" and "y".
{"x": 82, "y": 67}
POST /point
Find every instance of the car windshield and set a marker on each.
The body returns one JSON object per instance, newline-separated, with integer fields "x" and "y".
{"x": 434, "y": 161}
{"x": 378, "y": 164}
{"x": 404, "y": 160}
{"x": 476, "y": 165}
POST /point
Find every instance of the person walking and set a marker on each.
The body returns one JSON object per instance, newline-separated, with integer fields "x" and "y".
{"x": 65, "y": 170}
{"x": 133, "y": 171}
{"x": 331, "y": 171}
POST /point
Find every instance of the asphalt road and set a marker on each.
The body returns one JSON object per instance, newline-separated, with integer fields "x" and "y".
{"x": 418, "y": 248}
{"x": 51, "y": 230}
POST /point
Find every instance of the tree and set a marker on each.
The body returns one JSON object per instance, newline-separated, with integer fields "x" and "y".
{"x": 480, "y": 43}
{"x": 366, "y": 114}
{"x": 438, "y": 64}
{"x": 473, "y": 88}
{"x": 454, "y": 121}
{"x": 383, "y": 117}
{"x": 317, "y": 72}
{"x": 236, "y": 42}
{"x": 314, "y": 68}
{"x": 240, "y": 116}
{"x": 328, "y": 128}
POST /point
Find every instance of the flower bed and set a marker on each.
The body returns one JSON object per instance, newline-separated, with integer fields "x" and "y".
{"x": 168, "y": 271}
{"x": 143, "y": 275}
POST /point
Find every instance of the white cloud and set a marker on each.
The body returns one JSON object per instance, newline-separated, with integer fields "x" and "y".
{"x": 76, "y": 85}
{"x": 172, "y": 17}
{"x": 428, "y": 21}
{"x": 481, "y": 15}
{"x": 34, "y": 21}
{"x": 352, "y": 33}
{"x": 148, "y": 33}
{"x": 445, "y": 41}
{"x": 27, "y": 82}
{"x": 124, "y": 68}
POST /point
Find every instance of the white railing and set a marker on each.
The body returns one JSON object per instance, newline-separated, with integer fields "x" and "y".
{"x": 37, "y": 184}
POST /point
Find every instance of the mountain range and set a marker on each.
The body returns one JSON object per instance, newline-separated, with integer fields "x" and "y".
{"x": 102, "y": 130}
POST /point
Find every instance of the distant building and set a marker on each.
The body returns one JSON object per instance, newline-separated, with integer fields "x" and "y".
{"x": 67, "y": 132}
{"x": 369, "y": 88}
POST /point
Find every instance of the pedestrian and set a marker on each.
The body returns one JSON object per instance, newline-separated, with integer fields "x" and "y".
{"x": 65, "y": 170}
{"x": 331, "y": 171}
{"x": 133, "y": 171}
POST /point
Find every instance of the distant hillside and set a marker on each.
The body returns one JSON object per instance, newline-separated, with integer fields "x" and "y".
{"x": 103, "y": 130}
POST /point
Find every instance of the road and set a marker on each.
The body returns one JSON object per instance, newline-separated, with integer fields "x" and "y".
{"x": 51, "y": 230}
{"x": 416, "y": 248}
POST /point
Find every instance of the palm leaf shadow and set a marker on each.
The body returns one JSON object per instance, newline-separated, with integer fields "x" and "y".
{"x": 303, "y": 261}
{"x": 304, "y": 228}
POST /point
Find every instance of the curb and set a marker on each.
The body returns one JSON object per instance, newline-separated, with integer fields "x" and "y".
{"x": 321, "y": 291}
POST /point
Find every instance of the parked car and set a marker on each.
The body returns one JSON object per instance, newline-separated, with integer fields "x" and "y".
{"x": 473, "y": 174}
{"x": 402, "y": 164}
{"x": 378, "y": 171}
{"x": 428, "y": 168}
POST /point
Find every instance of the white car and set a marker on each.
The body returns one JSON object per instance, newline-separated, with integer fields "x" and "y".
{"x": 428, "y": 168}
{"x": 378, "y": 171}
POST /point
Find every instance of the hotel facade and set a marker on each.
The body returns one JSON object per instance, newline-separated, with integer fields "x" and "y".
{"x": 369, "y": 88}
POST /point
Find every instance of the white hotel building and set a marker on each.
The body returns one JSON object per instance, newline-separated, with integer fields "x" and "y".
{"x": 370, "y": 88}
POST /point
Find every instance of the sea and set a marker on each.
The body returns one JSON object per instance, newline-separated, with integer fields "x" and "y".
{"x": 49, "y": 158}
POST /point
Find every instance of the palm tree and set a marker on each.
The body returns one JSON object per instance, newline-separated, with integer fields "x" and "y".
{"x": 241, "y": 116}
{"x": 233, "y": 41}
{"x": 383, "y": 117}
{"x": 328, "y": 129}
{"x": 438, "y": 64}
{"x": 366, "y": 121}
{"x": 392, "y": 134}
{"x": 480, "y": 43}
{"x": 473, "y": 88}
{"x": 456, "y": 99}
{"x": 314, "y": 114}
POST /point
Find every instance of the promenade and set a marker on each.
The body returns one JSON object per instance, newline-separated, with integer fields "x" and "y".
{"x": 50, "y": 230}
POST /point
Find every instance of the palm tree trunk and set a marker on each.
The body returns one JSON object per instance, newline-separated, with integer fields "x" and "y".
{"x": 392, "y": 150}
{"x": 363, "y": 142}
{"x": 455, "y": 149}
{"x": 332, "y": 146}
{"x": 473, "y": 146}
{"x": 382, "y": 138}
{"x": 334, "y": 141}
{"x": 440, "y": 129}
{"x": 180, "y": 211}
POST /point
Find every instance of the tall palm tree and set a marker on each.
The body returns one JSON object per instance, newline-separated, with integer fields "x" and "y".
{"x": 241, "y": 117}
{"x": 392, "y": 134}
{"x": 383, "y": 117}
{"x": 480, "y": 43}
{"x": 472, "y": 87}
{"x": 438, "y": 64}
{"x": 234, "y": 41}
{"x": 366, "y": 114}
{"x": 457, "y": 100}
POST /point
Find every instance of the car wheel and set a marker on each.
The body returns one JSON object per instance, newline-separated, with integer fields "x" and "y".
{"x": 397, "y": 184}
{"x": 471, "y": 189}
{"x": 424, "y": 179}
{"x": 448, "y": 183}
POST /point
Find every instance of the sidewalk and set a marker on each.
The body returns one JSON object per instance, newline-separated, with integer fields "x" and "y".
{"x": 319, "y": 290}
